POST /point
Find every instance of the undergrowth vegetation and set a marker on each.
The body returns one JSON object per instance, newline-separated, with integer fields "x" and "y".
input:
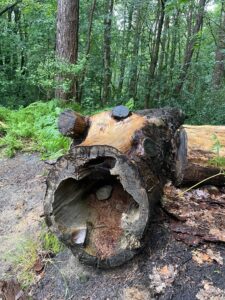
{"x": 31, "y": 256}
{"x": 33, "y": 128}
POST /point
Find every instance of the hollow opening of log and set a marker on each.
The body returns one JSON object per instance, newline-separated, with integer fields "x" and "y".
{"x": 94, "y": 211}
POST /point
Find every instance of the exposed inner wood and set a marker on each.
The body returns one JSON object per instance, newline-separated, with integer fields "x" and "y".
{"x": 105, "y": 130}
{"x": 200, "y": 142}
{"x": 105, "y": 221}
{"x": 97, "y": 224}
{"x": 201, "y": 152}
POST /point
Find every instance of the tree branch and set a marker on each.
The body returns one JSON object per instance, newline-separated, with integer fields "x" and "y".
{"x": 9, "y": 7}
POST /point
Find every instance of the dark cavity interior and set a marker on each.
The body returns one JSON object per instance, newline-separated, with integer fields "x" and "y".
{"x": 84, "y": 219}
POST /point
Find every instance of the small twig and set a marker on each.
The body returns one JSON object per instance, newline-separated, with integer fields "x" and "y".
{"x": 197, "y": 184}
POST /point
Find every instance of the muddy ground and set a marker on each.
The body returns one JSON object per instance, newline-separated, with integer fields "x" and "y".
{"x": 168, "y": 268}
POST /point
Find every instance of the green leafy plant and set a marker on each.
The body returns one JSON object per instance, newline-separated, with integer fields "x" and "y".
{"x": 130, "y": 104}
{"x": 51, "y": 243}
{"x": 34, "y": 128}
{"x": 217, "y": 161}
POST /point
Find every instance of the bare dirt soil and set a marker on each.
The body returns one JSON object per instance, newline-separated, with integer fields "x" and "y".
{"x": 173, "y": 265}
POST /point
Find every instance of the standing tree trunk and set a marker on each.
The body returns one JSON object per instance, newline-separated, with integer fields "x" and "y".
{"x": 126, "y": 42}
{"x": 134, "y": 63}
{"x": 88, "y": 47}
{"x": 165, "y": 38}
{"x": 67, "y": 44}
{"x": 106, "y": 93}
{"x": 219, "y": 69}
{"x": 190, "y": 47}
{"x": 174, "y": 43}
{"x": 155, "y": 54}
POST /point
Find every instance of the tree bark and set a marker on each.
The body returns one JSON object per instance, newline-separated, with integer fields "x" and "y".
{"x": 191, "y": 41}
{"x": 126, "y": 42}
{"x": 106, "y": 93}
{"x": 67, "y": 44}
{"x": 88, "y": 48}
{"x": 134, "y": 64}
{"x": 219, "y": 69}
{"x": 155, "y": 55}
{"x": 174, "y": 43}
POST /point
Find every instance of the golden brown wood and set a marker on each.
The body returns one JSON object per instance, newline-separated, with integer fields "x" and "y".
{"x": 105, "y": 130}
{"x": 201, "y": 152}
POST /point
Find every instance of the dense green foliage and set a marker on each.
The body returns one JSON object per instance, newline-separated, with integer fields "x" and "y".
{"x": 33, "y": 128}
{"x": 147, "y": 64}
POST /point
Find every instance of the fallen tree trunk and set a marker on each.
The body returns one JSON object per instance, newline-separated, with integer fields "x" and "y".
{"x": 101, "y": 195}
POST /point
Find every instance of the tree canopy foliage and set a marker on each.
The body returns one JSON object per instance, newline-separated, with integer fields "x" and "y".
{"x": 147, "y": 53}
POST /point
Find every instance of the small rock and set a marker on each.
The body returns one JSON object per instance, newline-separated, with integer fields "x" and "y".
{"x": 104, "y": 192}
{"x": 120, "y": 112}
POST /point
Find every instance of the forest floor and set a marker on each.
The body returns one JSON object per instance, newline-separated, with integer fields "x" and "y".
{"x": 184, "y": 257}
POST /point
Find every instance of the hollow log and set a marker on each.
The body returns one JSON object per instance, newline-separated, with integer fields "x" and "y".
{"x": 100, "y": 196}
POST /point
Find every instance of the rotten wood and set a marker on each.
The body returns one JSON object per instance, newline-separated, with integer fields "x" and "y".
{"x": 100, "y": 196}
{"x": 72, "y": 124}
{"x": 134, "y": 156}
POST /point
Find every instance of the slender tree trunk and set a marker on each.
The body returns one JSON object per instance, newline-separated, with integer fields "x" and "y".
{"x": 163, "y": 44}
{"x": 155, "y": 54}
{"x": 190, "y": 47}
{"x": 106, "y": 93}
{"x": 124, "y": 55}
{"x": 219, "y": 69}
{"x": 67, "y": 44}
{"x": 88, "y": 47}
{"x": 134, "y": 64}
{"x": 174, "y": 43}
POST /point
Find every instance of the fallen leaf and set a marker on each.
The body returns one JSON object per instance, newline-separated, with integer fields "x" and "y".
{"x": 200, "y": 257}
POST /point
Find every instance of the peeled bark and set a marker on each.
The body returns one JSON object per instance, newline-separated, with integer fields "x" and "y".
{"x": 100, "y": 196}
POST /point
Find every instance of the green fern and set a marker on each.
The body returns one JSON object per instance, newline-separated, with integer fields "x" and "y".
{"x": 34, "y": 128}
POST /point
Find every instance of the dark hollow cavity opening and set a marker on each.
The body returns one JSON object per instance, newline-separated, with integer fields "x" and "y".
{"x": 90, "y": 212}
